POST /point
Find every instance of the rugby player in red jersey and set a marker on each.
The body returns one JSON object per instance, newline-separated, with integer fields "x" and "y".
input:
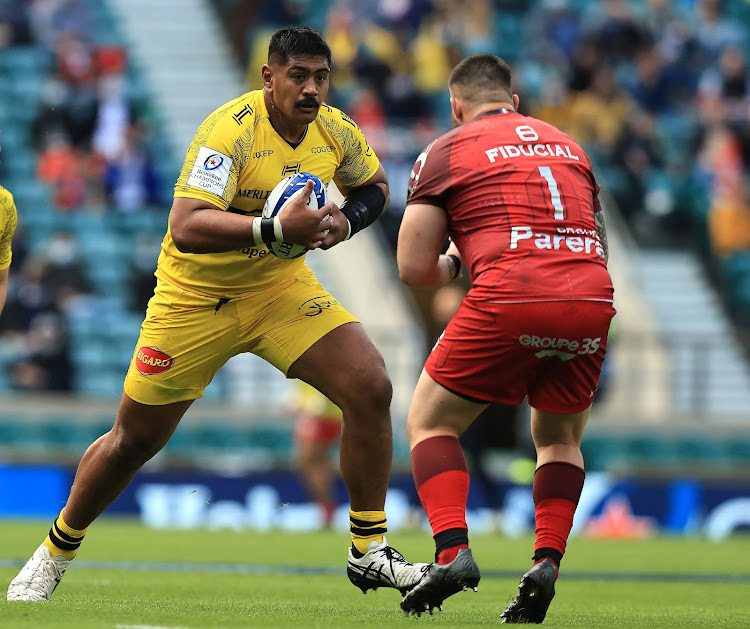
{"x": 519, "y": 202}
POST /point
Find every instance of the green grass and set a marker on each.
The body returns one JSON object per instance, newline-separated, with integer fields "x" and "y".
{"x": 90, "y": 597}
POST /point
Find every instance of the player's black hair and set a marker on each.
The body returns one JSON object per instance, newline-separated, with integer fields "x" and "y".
{"x": 294, "y": 41}
{"x": 482, "y": 77}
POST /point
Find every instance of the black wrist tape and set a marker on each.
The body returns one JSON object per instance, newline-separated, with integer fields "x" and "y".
{"x": 266, "y": 230}
{"x": 362, "y": 206}
{"x": 456, "y": 265}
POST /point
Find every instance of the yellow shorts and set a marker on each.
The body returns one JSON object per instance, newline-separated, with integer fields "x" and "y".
{"x": 185, "y": 338}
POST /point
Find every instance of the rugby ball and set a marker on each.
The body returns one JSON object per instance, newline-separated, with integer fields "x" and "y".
{"x": 284, "y": 192}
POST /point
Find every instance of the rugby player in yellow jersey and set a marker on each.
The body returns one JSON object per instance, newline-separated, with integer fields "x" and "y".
{"x": 221, "y": 292}
{"x": 8, "y": 220}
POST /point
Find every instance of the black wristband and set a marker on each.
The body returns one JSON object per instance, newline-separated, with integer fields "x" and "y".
{"x": 267, "y": 233}
{"x": 456, "y": 265}
{"x": 362, "y": 206}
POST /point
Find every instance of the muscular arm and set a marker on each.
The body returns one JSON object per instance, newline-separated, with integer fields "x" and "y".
{"x": 601, "y": 230}
{"x": 380, "y": 179}
{"x": 420, "y": 240}
{"x": 338, "y": 226}
{"x": 198, "y": 226}
{"x": 3, "y": 287}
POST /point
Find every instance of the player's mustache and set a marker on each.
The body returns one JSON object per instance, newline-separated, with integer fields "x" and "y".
{"x": 308, "y": 102}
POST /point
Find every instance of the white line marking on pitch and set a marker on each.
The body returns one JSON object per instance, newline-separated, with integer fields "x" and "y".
{"x": 145, "y": 627}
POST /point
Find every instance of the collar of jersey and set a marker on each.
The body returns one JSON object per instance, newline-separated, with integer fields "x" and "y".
{"x": 496, "y": 112}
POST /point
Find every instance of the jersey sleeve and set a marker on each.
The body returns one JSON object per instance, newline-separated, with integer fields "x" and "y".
{"x": 430, "y": 178}
{"x": 215, "y": 158}
{"x": 358, "y": 162}
{"x": 9, "y": 221}
{"x": 597, "y": 203}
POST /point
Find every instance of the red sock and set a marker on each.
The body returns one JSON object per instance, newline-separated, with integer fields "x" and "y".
{"x": 557, "y": 489}
{"x": 329, "y": 511}
{"x": 442, "y": 482}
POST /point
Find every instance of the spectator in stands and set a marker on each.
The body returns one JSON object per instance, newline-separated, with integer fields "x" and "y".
{"x": 653, "y": 88}
{"x": 15, "y": 27}
{"x": 598, "y": 114}
{"x": 63, "y": 271}
{"x": 618, "y": 32}
{"x": 113, "y": 119}
{"x": 584, "y": 64}
{"x": 54, "y": 116}
{"x": 341, "y": 35}
{"x": 730, "y": 83}
{"x": 638, "y": 154}
{"x": 64, "y": 110}
{"x": 75, "y": 60}
{"x": 729, "y": 220}
{"x": 130, "y": 179}
{"x": 367, "y": 111}
{"x": 555, "y": 29}
{"x": 433, "y": 58}
{"x": 52, "y": 18}
{"x": 61, "y": 165}
{"x": 142, "y": 266}
{"x": 720, "y": 161}
{"x": 46, "y": 364}
{"x": 713, "y": 31}
{"x": 27, "y": 299}
{"x": 553, "y": 102}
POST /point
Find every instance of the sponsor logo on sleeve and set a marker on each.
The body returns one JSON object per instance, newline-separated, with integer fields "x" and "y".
{"x": 151, "y": 361}
{"x": 210, "y": 170}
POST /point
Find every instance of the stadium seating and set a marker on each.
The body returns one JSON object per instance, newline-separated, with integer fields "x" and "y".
{"x": 103, "y": 330}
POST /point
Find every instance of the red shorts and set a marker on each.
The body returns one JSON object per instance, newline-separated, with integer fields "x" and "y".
{"x": 316, "y": 429}
{"x": 551, "y": 352}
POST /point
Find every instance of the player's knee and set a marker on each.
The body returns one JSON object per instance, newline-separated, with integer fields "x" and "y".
{"x": 379, "y": 391}
{"x": 372, "y": 391}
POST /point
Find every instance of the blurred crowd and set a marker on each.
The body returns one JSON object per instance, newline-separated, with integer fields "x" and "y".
{"x": 87, "y": 131}
{"x": 657, "y": 91}
{"x": 86, "y": 136}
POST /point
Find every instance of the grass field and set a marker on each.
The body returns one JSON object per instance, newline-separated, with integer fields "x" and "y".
{"x": 128, "y": 577}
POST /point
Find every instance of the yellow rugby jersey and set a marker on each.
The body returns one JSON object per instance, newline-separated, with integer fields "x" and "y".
{"x": 234, "y": 161}
{"x": 8, "y": 220}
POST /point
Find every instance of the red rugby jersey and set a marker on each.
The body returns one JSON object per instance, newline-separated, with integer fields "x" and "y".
{"x": 520, "y": 198}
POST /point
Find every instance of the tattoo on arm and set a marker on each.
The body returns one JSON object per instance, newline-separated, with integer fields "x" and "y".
{"x": 601, "y": 230}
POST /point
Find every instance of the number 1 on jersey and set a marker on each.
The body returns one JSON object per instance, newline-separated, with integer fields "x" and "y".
{"x": 554, "y": 191}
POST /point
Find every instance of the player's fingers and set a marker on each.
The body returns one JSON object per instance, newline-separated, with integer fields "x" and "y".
{"x": 326, "y": 210}
{"x": 307, "y": 190}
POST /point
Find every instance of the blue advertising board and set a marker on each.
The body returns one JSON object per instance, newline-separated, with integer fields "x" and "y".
{"x": 609, "y": 506}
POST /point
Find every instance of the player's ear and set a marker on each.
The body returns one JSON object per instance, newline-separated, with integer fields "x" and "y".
{"x": 457, "y": 110}
{"x": 266, "y": 74}
{"x": 516, "y": 101}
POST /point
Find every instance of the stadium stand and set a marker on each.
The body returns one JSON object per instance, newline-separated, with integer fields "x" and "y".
{"x": 658, "y": 92}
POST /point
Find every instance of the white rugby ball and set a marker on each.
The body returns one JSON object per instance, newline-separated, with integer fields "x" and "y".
{"x": 286, "y": 190}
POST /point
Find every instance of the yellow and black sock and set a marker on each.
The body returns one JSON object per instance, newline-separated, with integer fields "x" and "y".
{"x": 63, "y": 540}
{"x": 365, "y": 527}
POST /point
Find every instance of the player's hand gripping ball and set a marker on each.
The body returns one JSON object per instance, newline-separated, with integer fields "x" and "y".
{"x": 286, "y": 190}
